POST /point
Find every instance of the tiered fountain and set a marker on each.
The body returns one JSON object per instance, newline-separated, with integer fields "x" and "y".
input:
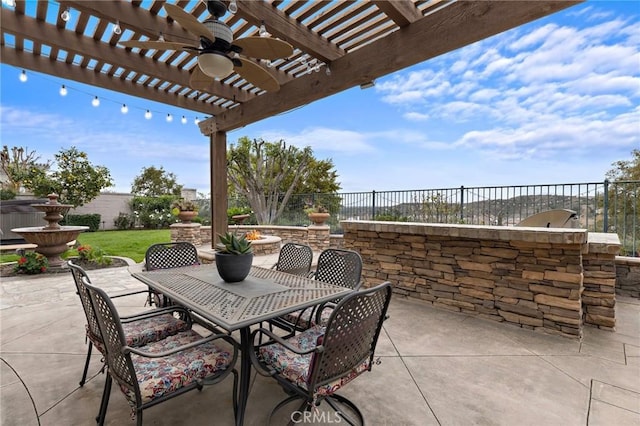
{"x": 51, "y": 239}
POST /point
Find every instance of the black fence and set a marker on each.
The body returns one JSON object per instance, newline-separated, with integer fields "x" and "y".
{"x": 600, "y": 206}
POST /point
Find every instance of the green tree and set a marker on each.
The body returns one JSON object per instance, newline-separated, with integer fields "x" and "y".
{"x": 268, "y": 173}
{"x": 75, "y": 179}
{"x": 154, "y": 182}
{"x": 626, "y": 170}
{"x": 624, "y": 201}
{"x": 19, "y": 165}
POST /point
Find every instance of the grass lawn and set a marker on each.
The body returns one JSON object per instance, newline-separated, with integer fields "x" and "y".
{"x": 131, "y": 244}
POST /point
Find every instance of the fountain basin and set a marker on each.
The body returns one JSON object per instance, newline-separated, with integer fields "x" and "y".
{"x": 51, "y": 242}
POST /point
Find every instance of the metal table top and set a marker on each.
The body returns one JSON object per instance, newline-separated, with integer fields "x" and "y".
{"x": 263, "y": 295}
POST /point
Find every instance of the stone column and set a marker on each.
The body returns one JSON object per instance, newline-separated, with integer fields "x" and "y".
{"x": 189, "y": 232}
{"x": 318, "y": 237}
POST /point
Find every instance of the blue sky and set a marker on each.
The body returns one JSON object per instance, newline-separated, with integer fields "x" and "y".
{"x": 555, "y": 101}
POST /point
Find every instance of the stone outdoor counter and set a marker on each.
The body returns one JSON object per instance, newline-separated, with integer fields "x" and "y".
{"x": 555, "y": 279}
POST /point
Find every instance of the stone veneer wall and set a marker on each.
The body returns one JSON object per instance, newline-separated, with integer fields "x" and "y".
{"x": 628, "y": 276}
{"x": 317, "y": 237}
{"x": 599, "y": 295}
{"x": 532, "y": 277}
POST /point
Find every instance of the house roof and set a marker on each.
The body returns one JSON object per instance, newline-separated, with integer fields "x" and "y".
{"x": 358, "y": 41}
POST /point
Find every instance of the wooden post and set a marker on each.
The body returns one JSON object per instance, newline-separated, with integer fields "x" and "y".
{"x": 217, "y": 177}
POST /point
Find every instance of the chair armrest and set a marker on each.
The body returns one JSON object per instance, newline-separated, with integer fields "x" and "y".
{"x": 157, "y": 312}
{"x": 131, "y": 293}
{"x": 210, "y": 338}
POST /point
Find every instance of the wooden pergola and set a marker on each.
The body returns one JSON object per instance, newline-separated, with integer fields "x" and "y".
{"x": 358, "y": 41}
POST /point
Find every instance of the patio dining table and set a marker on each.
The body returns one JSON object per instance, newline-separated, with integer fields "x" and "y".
{"x": 265, "y": 294}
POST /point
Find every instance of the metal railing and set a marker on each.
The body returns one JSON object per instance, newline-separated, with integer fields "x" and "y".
{"x": 600, "y": 206}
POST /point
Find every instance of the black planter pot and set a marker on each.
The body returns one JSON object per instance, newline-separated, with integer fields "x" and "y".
{"x": 232, "y": 267}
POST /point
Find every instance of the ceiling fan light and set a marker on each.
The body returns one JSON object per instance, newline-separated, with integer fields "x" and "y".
{"x": 219, "y": 30}
{"x": 215, "y": 65}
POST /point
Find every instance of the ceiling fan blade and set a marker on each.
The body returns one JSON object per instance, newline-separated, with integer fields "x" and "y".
{"x": 200, "y": 80}
{"x": 257, "y": 75}
{"x": 160, "y": 45}
{"x": 264, "y": 47}
{"x": 188, "y": 22}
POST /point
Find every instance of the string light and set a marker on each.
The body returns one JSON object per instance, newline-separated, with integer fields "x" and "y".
{"x": 66, "y": 15}
{"x": 96, "y": 101}
{"x": 116, "y": 28}
{"x": 233, "y": 6}
{"x": 263, "y": 31}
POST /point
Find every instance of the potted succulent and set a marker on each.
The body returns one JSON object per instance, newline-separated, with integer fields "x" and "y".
{"x": 234, "y": 256}
{"x": 186, "y": 210}
{"x": 318, "y": 214}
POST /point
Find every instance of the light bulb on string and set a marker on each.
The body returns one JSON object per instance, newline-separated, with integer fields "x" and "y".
{"x": 263, "y": 30}
{"x": 124, "y": 109}
{"x": 65, "y": 15}
{"x": 233, "y": 6}
{"x": 196, "y": 121}
{"x": 183, "y": 120}
{"x": 23, "y": 76}
{"x": 95, "y": 102}
{"x": 161, "y": 38}
{"x": 268, "y": 63}
{"x": 327, "y": 70}
{"x": 169, "y": 118}
{"x": 147, "y": 115}
{"x": 63, "y": 90}
{"x": 116, "y": 28}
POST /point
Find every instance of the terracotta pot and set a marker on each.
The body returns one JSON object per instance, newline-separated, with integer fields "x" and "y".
{"x": 233, "y": 268}
{"x": 318, "y": 218}
{"x": 186, "y": 216}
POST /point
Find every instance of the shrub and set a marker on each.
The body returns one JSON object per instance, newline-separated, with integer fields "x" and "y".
{"x": 124, "y": 221}
{"x": 31, "y": 263}
{"x": 7, "y": 194}
{"x": 90, "y": 220}
{"x": 153, "y": 212}
{"x": 87, "y": 253}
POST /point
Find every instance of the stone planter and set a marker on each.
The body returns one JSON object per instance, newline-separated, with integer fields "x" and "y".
{"x": 318, "y": 219}
{"x": 186, "y": 216}
{"x": 233, "y": 268}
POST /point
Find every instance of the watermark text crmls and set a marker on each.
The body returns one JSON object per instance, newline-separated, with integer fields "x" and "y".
{"x": 317, "y": 417}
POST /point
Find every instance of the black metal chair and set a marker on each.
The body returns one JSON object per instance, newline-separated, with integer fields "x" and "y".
{"x": 158, "y": 371}
{"x": 294, "y": 259}
{"x": 335, "y": 266}
{"x": 140, "y": 329}
{"x": 314, "y": 364}
{"x": 166, "y": 256}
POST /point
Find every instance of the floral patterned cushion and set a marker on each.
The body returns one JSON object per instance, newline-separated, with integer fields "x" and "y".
{"x": 161, "y": 376}
{"x": 295, "y": 367}
{"x": 302, "y": 319}
{"x": 143, "y": 331}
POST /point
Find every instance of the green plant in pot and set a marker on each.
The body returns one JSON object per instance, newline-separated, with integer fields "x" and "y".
{"x": 234, "y": 256}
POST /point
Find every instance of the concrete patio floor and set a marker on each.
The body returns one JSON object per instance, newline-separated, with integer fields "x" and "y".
{"x": 437, "y": 368}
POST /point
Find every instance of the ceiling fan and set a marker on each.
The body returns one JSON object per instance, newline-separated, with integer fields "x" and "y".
{"x": 218, "y": 53}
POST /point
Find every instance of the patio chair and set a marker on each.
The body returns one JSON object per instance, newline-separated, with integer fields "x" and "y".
{"x": 294, "y": 259}
{"x": 158, "y": 371}
{"x": 335, "y": 266}
{"x": 314, "y": 364}
{"x": 166, "y": 256}
{"x": 140, "y": 329}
